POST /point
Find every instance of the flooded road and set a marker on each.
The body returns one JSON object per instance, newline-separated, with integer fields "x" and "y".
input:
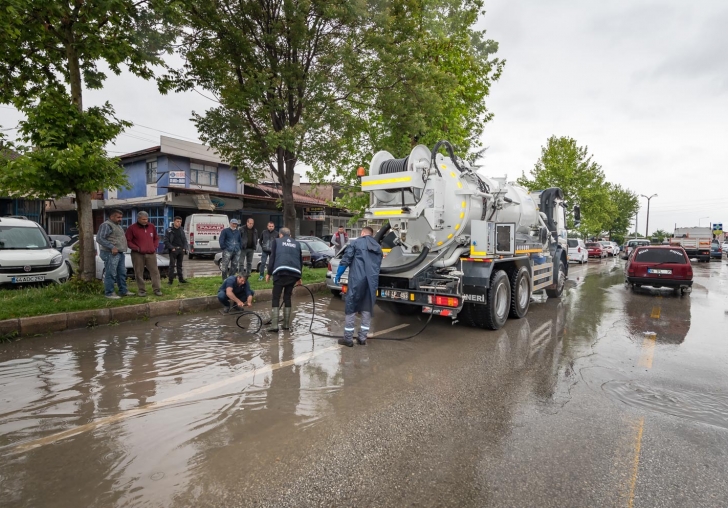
{"x": 606, "y": 397}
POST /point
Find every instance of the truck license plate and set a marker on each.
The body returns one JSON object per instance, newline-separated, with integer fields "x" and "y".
{"x": 28, "y": 278}
{"x": 395, "y": 295}
{"x": 659, "y": 271}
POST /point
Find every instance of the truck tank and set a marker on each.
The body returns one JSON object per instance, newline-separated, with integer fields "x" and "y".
{"x": 433, "y": 202}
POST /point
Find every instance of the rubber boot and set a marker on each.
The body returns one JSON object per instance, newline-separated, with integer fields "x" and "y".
{"x": 286, "y": 318}
{"x": 273, "y": 320}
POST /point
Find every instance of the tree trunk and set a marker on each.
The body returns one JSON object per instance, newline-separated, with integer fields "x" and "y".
{"x": 289, "y": 206}
{"x": 87, "y": 249}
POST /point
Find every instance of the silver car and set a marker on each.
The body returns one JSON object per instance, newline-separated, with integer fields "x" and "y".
{"x": 162, "y": 262}
{"x": 257, "y": 257}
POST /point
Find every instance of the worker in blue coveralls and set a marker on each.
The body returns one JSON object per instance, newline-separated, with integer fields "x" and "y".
{"x": 364, "y": 258}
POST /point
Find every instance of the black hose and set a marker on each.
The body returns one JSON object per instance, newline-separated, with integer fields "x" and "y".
{"x": 382, "y": 232}
{"x": 402, "y": 268}
{"x": 450, "y": 152}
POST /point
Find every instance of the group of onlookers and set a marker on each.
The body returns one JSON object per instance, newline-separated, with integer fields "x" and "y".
{"x": 142, "y": 240}
{"x": 238, "y": 246}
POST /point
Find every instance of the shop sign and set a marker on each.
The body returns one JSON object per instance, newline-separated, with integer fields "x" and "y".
{"x": 177, "y": 178}
{"x": 315, "y": 213}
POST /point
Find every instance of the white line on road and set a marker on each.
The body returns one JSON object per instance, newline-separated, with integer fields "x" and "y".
{"x": 37, "y": 443}
{"x": 403, "y": 325}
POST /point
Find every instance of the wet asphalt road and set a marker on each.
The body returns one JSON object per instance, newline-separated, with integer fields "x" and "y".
{"x": 603, "y": 398}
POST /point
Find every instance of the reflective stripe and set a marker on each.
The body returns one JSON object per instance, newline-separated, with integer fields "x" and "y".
{"x": 285, "y": 267}
{"x": 349, "y": 329}
{"x": 364, "y": 328}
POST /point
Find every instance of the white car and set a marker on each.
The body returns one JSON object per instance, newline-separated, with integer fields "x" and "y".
{"x": 610, "y": 248}
{"x": 578, "y": 251}
{"x": 616, "y": 248}
{"x": 27, "y": 256}
{"x": 162, "y": 262}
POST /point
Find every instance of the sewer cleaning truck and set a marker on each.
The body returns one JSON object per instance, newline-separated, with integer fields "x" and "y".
{"x": 468, "y": 247}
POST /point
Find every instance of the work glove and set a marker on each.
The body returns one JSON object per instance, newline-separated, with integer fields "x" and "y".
{"x": 339, "y": 273}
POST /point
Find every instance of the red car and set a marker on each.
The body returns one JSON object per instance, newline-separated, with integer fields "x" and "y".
{"x": 596, "y": 250}
{"x": 660, "y": 266}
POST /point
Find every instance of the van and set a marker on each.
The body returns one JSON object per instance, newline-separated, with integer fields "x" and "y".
{"x": 203, "y": 232}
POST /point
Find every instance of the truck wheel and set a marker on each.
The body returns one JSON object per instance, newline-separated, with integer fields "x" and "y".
{"x": 520, "y": 292}
{"x": 556, "y": 293}
{"x": 499, "y": 301}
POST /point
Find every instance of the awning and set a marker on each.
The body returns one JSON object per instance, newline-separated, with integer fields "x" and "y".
{"x": 202, "y": 201}
{"x": 135, "y": 202}
{"x": 212, "y": 202}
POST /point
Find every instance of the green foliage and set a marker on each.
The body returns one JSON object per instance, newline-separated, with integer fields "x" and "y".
{"x": 429, "y": 72}
{"x": 566, "y": 165}
{"x": 624, "y": 205}
{"x": 65, "y": 150}
{"x": 661, "y": 235}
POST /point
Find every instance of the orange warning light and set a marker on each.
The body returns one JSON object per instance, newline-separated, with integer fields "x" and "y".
{"x": 361, "y": 172}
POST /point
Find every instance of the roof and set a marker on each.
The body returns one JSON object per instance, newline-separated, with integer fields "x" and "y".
{"x": 9, "y": 154}
{"x": 146, "y": 151}
{"x": 276, "y": 193}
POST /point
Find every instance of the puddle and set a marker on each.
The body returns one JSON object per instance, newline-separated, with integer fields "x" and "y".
{"x": 700, "y": 407}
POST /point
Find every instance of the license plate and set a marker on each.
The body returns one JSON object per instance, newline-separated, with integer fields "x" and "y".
{"x": 28, "y": 278}
{"x": 395, "y": 295}
{"x": 659, "y": 271}
{"x": 201, "y": 243}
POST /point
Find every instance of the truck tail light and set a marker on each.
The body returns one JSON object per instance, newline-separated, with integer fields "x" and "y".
{"x": 444, "y": 301}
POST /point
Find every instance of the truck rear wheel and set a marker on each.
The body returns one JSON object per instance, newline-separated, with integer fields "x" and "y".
{"x": 499, "y": 301}
{"x": 560, "y": 282}
{"x": 520, "y": 292}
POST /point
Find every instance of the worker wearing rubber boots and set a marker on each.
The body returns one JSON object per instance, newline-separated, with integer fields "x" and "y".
{"x": 285, "y": 265}
{"x": 364, "y": 258}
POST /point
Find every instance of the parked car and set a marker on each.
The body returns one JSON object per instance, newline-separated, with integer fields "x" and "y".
{"x": 257, "y": 257}
{"x": 578, "y": 251}
{"x": 716, "y": 251}
{"x": 27, "y": 256}
{"x": 630, "y": 245}
{"x": 321, "y": 252}
{"x": 659, "y": 266}
{"x": 203, "y": 233}
{"x": 162, "y": 262}
{"x": 616, "y": 248}
{"x": 596, "y": 250}
{"x": 59, "y": 241}
{"x": 609, "y": 248}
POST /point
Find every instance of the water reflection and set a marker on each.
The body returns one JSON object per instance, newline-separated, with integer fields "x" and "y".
{"x": 667, "y": 316}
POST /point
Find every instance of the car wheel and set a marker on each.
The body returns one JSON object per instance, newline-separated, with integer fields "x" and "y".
{"x": 336, "y": 292}
{"x": 190, "y": 256}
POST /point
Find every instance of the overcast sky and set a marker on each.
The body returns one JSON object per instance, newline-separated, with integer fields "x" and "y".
{"x": 643, "y": 84}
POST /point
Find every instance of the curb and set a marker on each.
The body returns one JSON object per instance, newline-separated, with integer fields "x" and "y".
{"x": 36, "y": 325}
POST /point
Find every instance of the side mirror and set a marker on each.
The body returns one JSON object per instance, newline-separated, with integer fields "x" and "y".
{"x": 577, "y": 216}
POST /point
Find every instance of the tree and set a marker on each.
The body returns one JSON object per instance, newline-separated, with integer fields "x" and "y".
{"x": 282, "y": 72}
{"x": 431, "y": 72}
{"x": 568, "y": 166}
{"x": 49, "y": 51}
{"x": 660, "y": 235}
{"x": 625, "y": 205}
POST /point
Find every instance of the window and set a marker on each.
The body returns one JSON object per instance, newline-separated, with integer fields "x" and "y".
{"x": 152, "y": 171}
{"x": 203, "y": 175}
{"x": 573, "y": 243}
{"x": 648, "y": 255}
{"x": 22, "y": 238}
{"x": 157, "y": 217}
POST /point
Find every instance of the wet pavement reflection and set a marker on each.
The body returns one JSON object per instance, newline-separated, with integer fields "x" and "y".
{"x": 589, "y": 401}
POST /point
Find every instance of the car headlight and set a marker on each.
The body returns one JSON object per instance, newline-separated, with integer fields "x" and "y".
{"x": 56, "y": 261}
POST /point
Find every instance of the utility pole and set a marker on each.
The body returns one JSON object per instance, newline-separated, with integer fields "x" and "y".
{"x": 647, "y": 227}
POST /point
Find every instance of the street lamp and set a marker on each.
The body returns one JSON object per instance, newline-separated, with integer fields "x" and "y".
{"x": 701, "y": 218}
{"x": 647, "y": 227}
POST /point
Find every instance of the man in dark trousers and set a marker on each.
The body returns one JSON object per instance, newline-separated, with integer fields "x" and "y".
{"x": 266, "y": 240}
{"x": 286, "y": 263}
{"x": 143, "y": 241}
{"x": 250, "y": 242}
{"x": 175, "y": 242}
{"x": 364, "y": 259}
{"x": 235, "y": 293}
{"x": 230, "y": 243}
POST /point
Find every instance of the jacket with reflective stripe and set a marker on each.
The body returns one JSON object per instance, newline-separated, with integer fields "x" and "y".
{"x": 286, "y": 257}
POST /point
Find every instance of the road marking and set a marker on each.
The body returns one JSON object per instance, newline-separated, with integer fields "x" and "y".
{"x": 636, "y": 461}
{"x": 53, "y": 438}
{"x": 655, "y": 312}
{"x": 648, "y": 350}
{"x": 382, "y": 332}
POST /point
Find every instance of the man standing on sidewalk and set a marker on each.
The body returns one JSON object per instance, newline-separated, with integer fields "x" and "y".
{"x": 250, "y": 241}
{"x": 364, "y": 259}
{"x": 230, "y": 243}
{"x": 175, "y": 242}
{"x": 266, "y": 239}
{"x": 112, "y": 243}
{"x": 143, "y": 241}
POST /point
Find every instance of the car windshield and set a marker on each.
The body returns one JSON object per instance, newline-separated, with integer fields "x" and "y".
{"x": 22, "y": 238}
{"x": 674, "y": 256}
{"x": 573, "y": 243}
{"x": 593, "y": 245}
{"x": 317, "y": 246}
{"x": 605, "y": 244}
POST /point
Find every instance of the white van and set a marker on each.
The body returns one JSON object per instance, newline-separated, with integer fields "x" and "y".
{"x": 203, "y": 232}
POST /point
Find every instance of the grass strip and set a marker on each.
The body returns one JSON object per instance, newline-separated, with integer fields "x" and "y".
{"x": 77, "y": 295}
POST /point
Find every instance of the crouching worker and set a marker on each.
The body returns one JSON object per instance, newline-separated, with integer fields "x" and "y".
{"x": 235, "y": 293}
{"x": 286, "y": 263}
{"x": 364, "y": 259}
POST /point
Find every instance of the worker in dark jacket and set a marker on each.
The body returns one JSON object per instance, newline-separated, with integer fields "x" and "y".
{"x": 286, "y": 263}
{"x": 230, "y": 242}
{"x": 364, "y": 258}
{"x": 176, "y": 245}
{"x": 143, "y": 241}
